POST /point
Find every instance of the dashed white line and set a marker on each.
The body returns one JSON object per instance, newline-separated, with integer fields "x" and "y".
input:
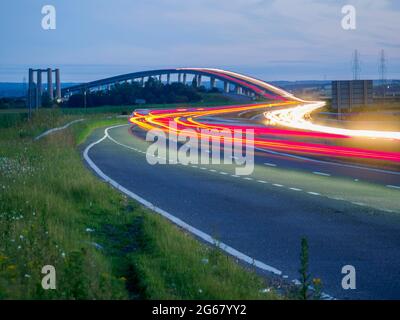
{"x": 393, "y": 187}
{"x": 387, "y": 210}
{"x": 328, "y": 162}
{"x": 359, "y": 204}
{"x": 266, "y": 182}
{"x": 322, "y": 174}
{"x": 337, "y": 198}
{"x": 270, "y": 164}
{"x": 230, "y": 250}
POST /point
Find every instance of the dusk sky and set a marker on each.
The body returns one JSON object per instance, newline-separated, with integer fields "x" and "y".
{"x": 272, "y": 40}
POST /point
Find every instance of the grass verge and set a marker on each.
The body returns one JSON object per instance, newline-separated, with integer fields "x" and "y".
{"x": 54, "y": 211}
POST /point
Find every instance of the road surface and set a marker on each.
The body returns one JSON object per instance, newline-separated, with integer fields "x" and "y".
{"x": 349, "y": 214}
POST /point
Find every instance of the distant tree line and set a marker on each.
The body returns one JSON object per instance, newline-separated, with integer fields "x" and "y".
{"x": 9, "y": 103}
{"x": 153, "y": 92}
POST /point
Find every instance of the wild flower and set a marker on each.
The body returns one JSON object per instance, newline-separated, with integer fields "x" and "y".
{"x": 11, "y": 267}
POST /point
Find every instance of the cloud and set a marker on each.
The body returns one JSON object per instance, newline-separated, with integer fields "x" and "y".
{"x": 200, "y": 33}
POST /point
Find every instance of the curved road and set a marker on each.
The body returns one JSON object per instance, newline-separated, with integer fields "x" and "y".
{"x": 349, "y": 214}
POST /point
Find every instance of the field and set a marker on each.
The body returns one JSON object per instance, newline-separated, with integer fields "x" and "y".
{"x": 54, "y": 211}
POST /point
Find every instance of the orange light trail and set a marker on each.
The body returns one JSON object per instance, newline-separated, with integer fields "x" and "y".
{"x": 289, "y": 112}
{"x": 185, "y": 120}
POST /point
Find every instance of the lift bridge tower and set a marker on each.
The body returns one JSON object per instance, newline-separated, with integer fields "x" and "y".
{"x": 35, "y": 89}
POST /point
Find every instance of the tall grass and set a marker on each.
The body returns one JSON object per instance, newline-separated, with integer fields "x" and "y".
{"x": 54, "y": 211}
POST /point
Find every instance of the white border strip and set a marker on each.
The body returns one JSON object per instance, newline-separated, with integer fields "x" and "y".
{"x": 204, "y": 236}
{"x": 57, "y": 129}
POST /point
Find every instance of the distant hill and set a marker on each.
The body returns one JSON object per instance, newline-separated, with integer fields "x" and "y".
{"x": 17, "y": 90}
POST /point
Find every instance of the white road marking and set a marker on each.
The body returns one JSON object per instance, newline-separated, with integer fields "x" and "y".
{"x": 328, "y": 162}
{"x": 321, "y": 174}
{"x": 393, "y": 187}
{"x": 230, "y": 250}
{"x": 270, "y": 164}
{"x": 337, "y": 198}
{"x": 262, "y": 181}
{"x": 359, "y": 204}
{"x": 248, "y": 179}
{"x": 387, "y": 210}
{"x": 223, "y": 173}
{"x": 278, "y": 185}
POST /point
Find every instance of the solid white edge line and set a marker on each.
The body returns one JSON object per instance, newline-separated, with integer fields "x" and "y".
{"x": 214, "y": 242}
{"x": 202, "y": 235}
{"x": 46, "y": 133}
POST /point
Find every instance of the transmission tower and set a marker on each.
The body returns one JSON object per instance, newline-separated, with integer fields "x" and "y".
{"x": 382, "y": 72}
{"x": 356, "y": 65}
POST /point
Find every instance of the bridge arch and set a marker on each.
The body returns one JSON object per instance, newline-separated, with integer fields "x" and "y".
{"x": 241, "y": 83}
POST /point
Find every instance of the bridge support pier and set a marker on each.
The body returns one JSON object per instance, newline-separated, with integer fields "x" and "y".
{"x": 226, "y": 87}
{"x": 184, "y": 79}
{"x": 212, "y": 82}
{"x": 50, "y": 84}
{"x": 179, "y": 77}
{"x": 35, "y": 90}
{"x": 58, "y": 84}
{"x": 39, "y": 89}
{"x": 198, "y": 81}
{"x": 30, "y": 90}
{"x": 168, "y": 78}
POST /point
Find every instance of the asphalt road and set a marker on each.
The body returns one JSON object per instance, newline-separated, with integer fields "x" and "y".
{"x": 350, "y": 216}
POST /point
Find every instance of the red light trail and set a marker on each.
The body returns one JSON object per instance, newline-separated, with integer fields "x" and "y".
{"x": 290, "y": 114}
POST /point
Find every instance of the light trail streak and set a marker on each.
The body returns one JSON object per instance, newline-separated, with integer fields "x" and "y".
{"x": 290, "y": 114}
{"x": 297, "y": 118}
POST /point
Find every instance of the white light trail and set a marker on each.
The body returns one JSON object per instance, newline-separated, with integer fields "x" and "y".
{"x": 296, "y": 117}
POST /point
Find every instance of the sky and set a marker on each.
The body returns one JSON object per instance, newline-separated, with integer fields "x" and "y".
{"x": 269, "y": 39}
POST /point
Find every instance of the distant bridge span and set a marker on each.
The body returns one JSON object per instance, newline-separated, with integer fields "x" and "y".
{"x": 242, "y": 84}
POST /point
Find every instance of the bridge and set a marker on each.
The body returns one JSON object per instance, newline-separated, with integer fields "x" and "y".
{"x": 240, "y": 84}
